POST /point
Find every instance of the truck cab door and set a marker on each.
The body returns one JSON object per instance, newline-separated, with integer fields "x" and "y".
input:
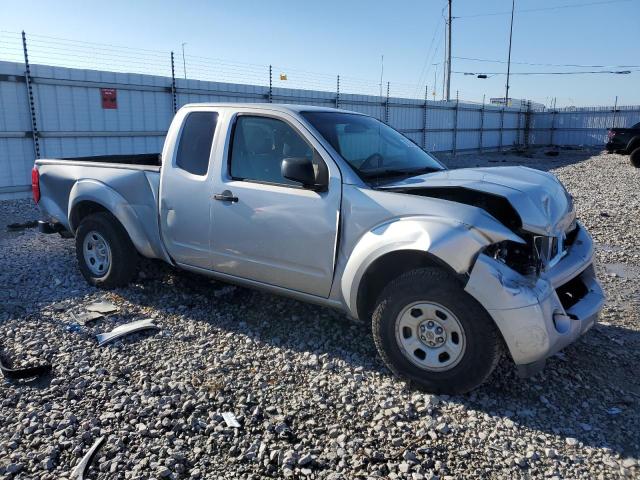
{"x": 267, "y": 228}
{"x": 185, "y": 188}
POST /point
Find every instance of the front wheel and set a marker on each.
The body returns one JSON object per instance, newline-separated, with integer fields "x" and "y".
{"x": 431, "y": 332}
{"x": 106, "y": 256}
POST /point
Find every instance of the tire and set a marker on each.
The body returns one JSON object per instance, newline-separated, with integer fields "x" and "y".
{"x": 635, "y": 158}
{"x": 479, "y": 344}
{"x": 102, "y": 238}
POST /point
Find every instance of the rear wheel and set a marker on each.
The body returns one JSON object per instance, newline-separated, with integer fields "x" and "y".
{"x": 429, "y": 331}
{"x": 105, "y": 254}
{"x": 635, "y": 158}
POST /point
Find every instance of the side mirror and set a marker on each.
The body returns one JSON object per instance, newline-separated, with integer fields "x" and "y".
{"x": 300, "y": 169}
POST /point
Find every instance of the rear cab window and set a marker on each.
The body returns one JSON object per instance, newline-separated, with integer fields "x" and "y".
{"x": 196, "y": 139}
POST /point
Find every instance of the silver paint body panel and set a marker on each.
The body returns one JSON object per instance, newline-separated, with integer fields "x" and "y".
{"x": 317, "y": 247}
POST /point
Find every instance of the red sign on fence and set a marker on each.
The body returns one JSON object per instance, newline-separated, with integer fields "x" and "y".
{"x": 109, "y": 98}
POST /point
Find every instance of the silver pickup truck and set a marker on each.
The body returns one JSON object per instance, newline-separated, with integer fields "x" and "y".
{"x": 339, "y": 209}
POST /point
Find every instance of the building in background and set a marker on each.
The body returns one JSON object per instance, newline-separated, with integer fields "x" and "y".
{"x": 516, "y": 103}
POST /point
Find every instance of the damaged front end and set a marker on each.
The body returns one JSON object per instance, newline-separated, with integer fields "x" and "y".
{"x": 542, "y": 294}
{"x": 540, "y": 286}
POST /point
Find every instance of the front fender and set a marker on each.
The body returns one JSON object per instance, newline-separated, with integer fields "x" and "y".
{"x": 453, "y": 242}
{"x": 98, "y": 192}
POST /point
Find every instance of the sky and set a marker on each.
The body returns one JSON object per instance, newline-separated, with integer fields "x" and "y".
{"x": 312, "y": 42}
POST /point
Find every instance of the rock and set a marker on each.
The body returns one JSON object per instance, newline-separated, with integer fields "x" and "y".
{"x": 14, "y": 467}
{"x": 163, "y": 472}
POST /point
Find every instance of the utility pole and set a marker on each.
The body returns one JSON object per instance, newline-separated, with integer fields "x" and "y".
{"x": 448, "y": 92}
{"x": 381, "y": 72}
{"x": 184, "y": 62}
{"x": 506, "y": 94}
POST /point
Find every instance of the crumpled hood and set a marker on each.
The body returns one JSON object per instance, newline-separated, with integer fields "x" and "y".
{"x": 541, "y": 201}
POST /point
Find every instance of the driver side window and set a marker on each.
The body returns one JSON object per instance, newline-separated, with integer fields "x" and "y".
{"x": 259, "y": 146}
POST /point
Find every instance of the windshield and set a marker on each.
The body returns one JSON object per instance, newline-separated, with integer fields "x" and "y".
{"x": 374, "y": 150}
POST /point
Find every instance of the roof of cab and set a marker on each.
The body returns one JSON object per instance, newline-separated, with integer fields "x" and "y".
{"x": 279, "y": 107}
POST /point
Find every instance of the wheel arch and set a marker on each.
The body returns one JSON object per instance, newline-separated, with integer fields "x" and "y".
{"x": 90, "y": 196}
{"x": 390, "y": 266}
{"x": 394, "y": 247}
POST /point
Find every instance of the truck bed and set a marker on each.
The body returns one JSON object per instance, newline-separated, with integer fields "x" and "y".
{"x": 126, "y": 185}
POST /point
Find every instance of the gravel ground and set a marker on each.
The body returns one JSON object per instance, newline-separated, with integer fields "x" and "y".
{"x": 312, "y": 398}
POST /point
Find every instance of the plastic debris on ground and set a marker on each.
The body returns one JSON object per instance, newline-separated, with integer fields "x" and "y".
{"x": 102, "y": 307}
{"x": 86, "y": 317}
{"x": 81, "y": 469}
{"x": 122, "y": 330}
{"x": 230, "y": 420}
{"x": 24, "y": 372}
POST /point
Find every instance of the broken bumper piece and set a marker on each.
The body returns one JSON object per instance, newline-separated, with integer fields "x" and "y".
{"x": 123, "y": 330}
{"x": 537, "y": 318}
{"x": 81, "y": 469}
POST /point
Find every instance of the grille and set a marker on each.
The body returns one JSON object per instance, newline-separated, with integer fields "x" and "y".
{"x": 550, "y": 249}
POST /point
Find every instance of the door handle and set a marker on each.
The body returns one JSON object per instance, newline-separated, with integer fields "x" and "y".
{"x": 225, "y": 196}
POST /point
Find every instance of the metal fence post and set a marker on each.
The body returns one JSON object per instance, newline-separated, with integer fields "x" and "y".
{"x": 455, "y": 126}
{"x": 270, "y": 84}
{"x": 386, "y": 106}
{"x": 173, "y": 85}
{"x": 424, "y": 121}
{"x": 518, "y": 126}
{"x": 527, "y": 125}
{"x": 338, "y": 92}
{"x": 501, "y": 129}
{"x": 615, "y": 112}
{"x": 481, "y": 139}
{"x": 553, "y": 127}
{"x": 32, "y": 104}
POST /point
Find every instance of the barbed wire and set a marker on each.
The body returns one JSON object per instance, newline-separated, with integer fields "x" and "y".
{"x": 79, "y": 54}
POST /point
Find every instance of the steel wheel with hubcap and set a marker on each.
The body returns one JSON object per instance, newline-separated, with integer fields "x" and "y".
{"x": 97, "y": 253}
{"x": 432, "y": 333}
{"x": 106, "y": 256}
{"x": 430, "y": 336}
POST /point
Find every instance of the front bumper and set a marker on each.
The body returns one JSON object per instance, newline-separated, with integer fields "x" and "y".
{"x": 539, "y": 317}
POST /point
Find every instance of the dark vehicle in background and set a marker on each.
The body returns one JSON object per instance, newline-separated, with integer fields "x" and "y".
{"x": 626, "y": 141}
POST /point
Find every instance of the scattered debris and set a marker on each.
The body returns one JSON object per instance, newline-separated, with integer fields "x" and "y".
{"x": 59, "y": 307}
{"x": 86, "y": 317}
{"x": 15, "y": 227}
{"x": 24, "y": 372}
{"x": 73, "y": 328}
{"x": 81, "y": 469}
{"x": 230, "y": 420}
{"x": 126, "y": 329}
{"x": 102, "y": 307}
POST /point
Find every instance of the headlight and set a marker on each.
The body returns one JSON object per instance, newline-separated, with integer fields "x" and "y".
{"x": 521, "y": 257}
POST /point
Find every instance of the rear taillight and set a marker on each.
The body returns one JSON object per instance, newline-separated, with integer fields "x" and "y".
{"x": 611, "y": 134}
{"x": 35, "y": 184}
